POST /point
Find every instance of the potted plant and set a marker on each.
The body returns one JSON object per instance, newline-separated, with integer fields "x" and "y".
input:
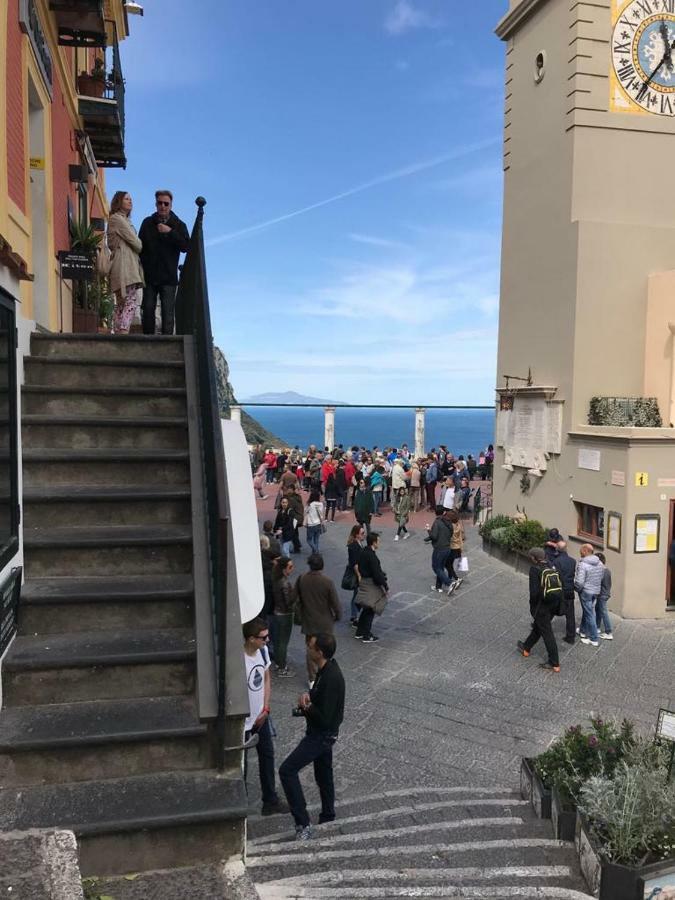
{"x": 510, "y": 538}
{"x": 573, "y": 758}
{"x": 85, "y": 239}
{"x": 93, "y": 84}
{"x": 630, "y": 819}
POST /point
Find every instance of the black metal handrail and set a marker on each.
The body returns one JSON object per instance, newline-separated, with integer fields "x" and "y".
{"x": 115, "y": 82}
{"x": 193, "y": 318}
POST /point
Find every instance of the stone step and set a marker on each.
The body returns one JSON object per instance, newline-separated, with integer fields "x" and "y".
{"x": 132, "y": 347}
{"x": 69, "y": 605}
{"x": 107, "y": 551}
{"x": 122, "y": 468}
{"x": 137, "y": 823}
{"x": 71, "y": 504}
{"x": 91, "y": 432}
{"x": 99, "y": 665}
{"x": 107, "y": 402}
{"x": 101, "y": 739}
{"x": 71, "y": 371}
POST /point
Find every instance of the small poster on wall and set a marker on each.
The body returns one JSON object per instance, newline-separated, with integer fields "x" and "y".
{"x": 614, "y": 531}
{"x": 647, "y": 533}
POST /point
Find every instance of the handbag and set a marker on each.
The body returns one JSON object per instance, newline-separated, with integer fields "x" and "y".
{"x": 463, "y": 564}
{"x": 349, "y": 579}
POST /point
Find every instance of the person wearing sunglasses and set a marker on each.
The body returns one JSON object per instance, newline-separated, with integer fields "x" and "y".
{"x": 164, "y": 237}
{"x": 257, "y": 660}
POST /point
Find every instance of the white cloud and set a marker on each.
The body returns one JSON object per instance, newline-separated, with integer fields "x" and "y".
{"x": 373, "y": 241}
{"x": 406, "y": 17}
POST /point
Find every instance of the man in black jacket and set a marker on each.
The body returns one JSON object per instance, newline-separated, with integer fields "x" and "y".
{"x": 323, "y": 709}
{"x": 542, "y": 614}
{"x": 567, "y": 567}
{"x": 164, "y": 238}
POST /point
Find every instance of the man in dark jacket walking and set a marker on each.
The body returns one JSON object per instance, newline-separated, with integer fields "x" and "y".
{"x": 164, "y": 238}
{"x": 542, "y": 614}
{"x": 567, "y": 567}
{"x": 318, "y": 606}
{"x": 439, "y": 535}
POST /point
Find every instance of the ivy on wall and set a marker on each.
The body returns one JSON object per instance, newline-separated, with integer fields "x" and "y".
{"x": 635, "y": 412}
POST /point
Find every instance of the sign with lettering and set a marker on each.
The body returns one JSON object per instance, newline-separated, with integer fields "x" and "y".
{"x": 589, "y": 459}
{"x": 618, "y": 478}
{"x": 641, "y": 479}
{"x": 665, "y": 726}
{"x": 9, "y": 605}
{"x": 76, "y": 266}
{"x": 29, "y": 22}
{"x": 37, "y": 162}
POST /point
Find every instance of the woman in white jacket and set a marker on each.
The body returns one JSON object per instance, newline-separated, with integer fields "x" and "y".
{"x": 126, "y": 273}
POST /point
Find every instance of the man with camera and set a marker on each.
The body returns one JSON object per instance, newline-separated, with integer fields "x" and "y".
{"x": 323, "y": 709}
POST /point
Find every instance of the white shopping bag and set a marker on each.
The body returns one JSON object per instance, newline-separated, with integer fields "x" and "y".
{"x": 463, "y": 564}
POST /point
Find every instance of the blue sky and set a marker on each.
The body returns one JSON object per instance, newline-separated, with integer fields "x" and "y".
{"x": 350, "y": 154}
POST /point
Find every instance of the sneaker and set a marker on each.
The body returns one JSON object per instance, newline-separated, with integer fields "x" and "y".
{"x": 396, "y": 537}
{"x": 354, "y": 623}
{"x": 587, "y": 640}
{"x": 580, "y": 633}
{"x": 359, "y": 637}
{"x": 607, "y": 636}
{"x": 451, "y": 587}
{"x": 522, "y": 650}
{"x": 285, "y": 672}
{"x": 273, "y": 808}
{"x": 549, "y": 667}
{"x": 370, "y": 639}
{"x": 406, "y": 536}
{"x": 303, "y": 834}
{"x": 435, "y": 590}
{"x": 458, "y": 582}
{"x": 264, "y": 496}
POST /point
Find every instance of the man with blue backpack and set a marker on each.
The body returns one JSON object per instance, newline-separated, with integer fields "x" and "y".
{"x": 546, "y": 599}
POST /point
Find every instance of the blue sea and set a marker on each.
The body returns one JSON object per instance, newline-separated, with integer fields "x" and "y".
{"x": 461, "y": 430}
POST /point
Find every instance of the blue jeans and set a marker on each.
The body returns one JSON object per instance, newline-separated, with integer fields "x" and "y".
{"x": 377, "y": 499}
{"x": 313, "y": 535}
{"x": 439, "y": 559}
{"x": 313, "y": 748}
{"x": 588, "y": 626}
{"x": 602, "y": 616}
{"x": 265, "y": 751}
{"x": 286, "y": 548}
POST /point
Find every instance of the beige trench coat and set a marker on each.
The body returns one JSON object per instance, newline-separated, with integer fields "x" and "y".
{"x": 125, "y": 247}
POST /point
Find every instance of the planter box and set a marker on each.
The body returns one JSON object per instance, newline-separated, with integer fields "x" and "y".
{"x": 85, "y": 321}
{"x": 516, "y": 560}
{"x": 619, "y": 882}
{"x": 589, "y": 857}
{"x": 541, "y": 798}
{"x": 564, "y": 820}
{"x": 526, "y": 773}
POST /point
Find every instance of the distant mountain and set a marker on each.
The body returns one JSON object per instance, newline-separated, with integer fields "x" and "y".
{"x": 288, "y": 398}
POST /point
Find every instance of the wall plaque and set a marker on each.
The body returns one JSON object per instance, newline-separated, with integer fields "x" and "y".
{"x": 589, "y": 459}
{"x": 76, "y": 266}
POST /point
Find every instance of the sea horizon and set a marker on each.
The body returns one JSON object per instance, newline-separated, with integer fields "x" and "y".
{"x": 462, "y": 431}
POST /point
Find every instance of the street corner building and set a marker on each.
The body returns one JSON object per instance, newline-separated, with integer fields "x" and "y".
{"x": 586, "y": 360}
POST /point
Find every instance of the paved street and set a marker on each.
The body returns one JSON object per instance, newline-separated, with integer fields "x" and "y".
{"x": 443, "y": 701}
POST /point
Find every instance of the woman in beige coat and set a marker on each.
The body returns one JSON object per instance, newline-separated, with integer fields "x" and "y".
{"x": 126, "y": 274}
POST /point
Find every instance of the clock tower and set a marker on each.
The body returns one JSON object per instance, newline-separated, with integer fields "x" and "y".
{"x": 587, "y": 307}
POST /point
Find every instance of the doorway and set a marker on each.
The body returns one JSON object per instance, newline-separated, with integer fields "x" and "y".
{"x": 38, "y": 206}
{"x": 670, "y": 559}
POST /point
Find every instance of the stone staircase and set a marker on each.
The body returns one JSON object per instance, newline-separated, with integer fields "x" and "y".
{"x": 418, "y": 842}
{"x": 99, "y": 730}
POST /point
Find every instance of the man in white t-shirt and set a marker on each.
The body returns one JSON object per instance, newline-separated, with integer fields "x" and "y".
{"x": 256, "y": 658}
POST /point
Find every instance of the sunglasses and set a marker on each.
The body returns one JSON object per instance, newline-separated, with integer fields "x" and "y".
{"x": 262, "y": 637}
{"x": 163, "y": 203}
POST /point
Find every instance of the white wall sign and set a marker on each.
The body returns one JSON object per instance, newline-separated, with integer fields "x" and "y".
{"x": 665, "y": 482}
{"x": 589, "y": 459}
{"x": 665, "y": 727}
{"x": 618, "y": 478}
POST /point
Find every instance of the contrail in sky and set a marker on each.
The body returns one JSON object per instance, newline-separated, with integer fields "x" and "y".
{"x": 405, "y": 172}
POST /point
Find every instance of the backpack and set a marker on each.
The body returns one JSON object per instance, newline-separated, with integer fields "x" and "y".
{"x": 552, "y": 593}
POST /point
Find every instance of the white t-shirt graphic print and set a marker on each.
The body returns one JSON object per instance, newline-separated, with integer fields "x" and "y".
{"x": 256, "y": 667}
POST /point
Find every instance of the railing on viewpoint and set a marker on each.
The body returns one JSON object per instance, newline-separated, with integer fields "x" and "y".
{"x": 212, "y": 613}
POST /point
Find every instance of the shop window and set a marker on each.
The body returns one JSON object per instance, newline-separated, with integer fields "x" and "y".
{"x": 9, "y": 492}
{"x": 591, "y": 522}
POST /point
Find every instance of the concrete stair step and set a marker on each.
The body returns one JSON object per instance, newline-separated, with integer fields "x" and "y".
{"x": 92, "y": 432}
{"x": 132, "y": 347}
{"x": 99, "y": 401}
{"x": 107, "y": 550}
{"x": 76, "y": 504}
{"x": 99, "y": 665}
{"x": 69, "y": 605}
{"x": 101, "y": 739}
{"x": 139, "y": 822}
{"x": 72, "y": 371}
{"x": 122, "y": 468}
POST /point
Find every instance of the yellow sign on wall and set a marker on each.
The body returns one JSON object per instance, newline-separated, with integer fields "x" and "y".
{"x": 641, "y": 479}
{"x": 37, "y": 162}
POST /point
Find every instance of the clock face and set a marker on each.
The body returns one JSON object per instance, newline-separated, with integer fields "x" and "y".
{"x": 643, "y": 54}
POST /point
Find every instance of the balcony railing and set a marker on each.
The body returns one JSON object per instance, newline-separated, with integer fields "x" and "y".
{"x": 101, "y": 105}
{"x": 80, "y": 23}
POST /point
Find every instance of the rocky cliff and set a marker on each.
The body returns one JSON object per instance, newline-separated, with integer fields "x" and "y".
{"x": 254, "y": 431}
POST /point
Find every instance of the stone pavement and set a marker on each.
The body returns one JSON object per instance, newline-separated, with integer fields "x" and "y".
{"x": 444, "y": 701}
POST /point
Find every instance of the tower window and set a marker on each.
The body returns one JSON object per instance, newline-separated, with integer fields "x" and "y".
{"x": 540, "y": 66}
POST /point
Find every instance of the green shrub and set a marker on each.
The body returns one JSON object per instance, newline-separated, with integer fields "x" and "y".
{"x": 579, "y": 754}
{"x": 495, "y": 523}
{"x": 514, "y": 534}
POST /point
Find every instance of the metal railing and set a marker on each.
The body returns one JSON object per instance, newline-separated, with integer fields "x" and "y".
{"x": 218, "y": 647}
{"x": 115, "y": 81}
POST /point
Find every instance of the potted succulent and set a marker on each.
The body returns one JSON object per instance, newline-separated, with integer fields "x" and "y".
{"x": 629, "y": 819}
{"x": 93, "y": 84}
{"x": 573, "y": 758}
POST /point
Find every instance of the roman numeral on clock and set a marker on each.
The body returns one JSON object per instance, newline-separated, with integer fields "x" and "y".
{"x": 626, "y": 22}
{"x": 645, "y": 6}
{"x": 624, "y": 48}
{"x": 666, "y": 106}
{"x": 626, "y": 73}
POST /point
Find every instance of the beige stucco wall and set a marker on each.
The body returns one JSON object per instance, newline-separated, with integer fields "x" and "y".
{"x": 583, "y": 300}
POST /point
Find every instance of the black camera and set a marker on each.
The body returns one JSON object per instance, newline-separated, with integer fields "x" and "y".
{"x": 297, "y": 712}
